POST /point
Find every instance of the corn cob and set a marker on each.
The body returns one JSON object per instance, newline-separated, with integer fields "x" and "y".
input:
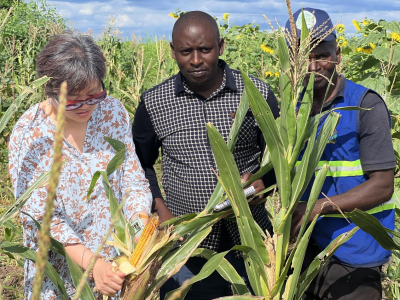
{"x": 144, "y": 237}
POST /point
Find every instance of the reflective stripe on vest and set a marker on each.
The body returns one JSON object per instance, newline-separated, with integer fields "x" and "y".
{"x": 340, "y": 168}
{"x": 391, "y": 204}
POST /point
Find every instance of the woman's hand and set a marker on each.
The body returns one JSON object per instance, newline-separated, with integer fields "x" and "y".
{"x": 107, "y": 282}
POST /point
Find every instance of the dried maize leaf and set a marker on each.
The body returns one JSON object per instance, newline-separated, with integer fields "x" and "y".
{"x": 126, "y": 268}
{"x": 121, "y": 248}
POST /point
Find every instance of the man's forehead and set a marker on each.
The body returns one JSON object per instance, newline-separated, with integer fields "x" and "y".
{"x": 318, "y": 47}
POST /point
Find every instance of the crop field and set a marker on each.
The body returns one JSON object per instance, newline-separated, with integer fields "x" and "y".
{"x": 370, "y": 57}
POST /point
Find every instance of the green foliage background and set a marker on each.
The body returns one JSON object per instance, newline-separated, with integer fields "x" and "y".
{"x": 370, "y": 57}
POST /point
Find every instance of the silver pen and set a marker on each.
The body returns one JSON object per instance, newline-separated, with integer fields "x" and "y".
{"x": 247, "y": 192}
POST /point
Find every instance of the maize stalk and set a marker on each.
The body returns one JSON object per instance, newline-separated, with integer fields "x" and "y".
{"x": 144, "y": 237}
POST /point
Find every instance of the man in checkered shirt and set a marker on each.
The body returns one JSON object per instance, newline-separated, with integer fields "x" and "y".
{"x": 173, "y": 116}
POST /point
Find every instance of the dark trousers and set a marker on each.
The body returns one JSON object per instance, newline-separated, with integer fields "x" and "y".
{"x": 337, "y": 281}
{"x": 211, "y": 287}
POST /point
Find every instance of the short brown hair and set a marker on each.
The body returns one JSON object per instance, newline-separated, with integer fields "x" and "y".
{"x": 73, "y": 57}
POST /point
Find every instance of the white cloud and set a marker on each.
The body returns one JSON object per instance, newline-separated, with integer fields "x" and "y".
{"x": 106, "y": 9}
{"x": 150, "y": 17}
{"x": 125, "y": 21}
{"x": 86, "y": 11}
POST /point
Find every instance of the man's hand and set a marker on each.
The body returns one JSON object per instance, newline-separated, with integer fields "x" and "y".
{"x": 163, "y": 212}
{"x": 300, "y": 211}
{"x": 258, "y": 186}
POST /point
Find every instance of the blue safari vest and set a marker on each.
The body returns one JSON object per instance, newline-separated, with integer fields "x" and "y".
{"x": 345, "y": 173}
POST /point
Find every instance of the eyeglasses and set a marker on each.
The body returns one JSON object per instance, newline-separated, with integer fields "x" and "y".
{"x": 95, "y": 99}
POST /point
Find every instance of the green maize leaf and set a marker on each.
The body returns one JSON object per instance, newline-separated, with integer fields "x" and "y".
{"x": 255, "y": 269}
{"x": 265, "y": 120}
{"x": 311, "y": 158}
{"x": 121, "y": 220}
{"x": 284, "y": 60}
{"x": 190, "y": 226}
{"x": 395, "y": 233}
{"x": 266, "y": 159}
{"x": 259, "y": 174}
{"x": 214, "y": 262}
{"x": 113, "y": 165}
{"x": 315, "y": 191}
{"x": 304, "y": 32}
{"x": 49, "y": 271}
{"x": 92, "y": 184}
{"x": 288, "y": 121}
{"x": 117, "y": 145}
{"x": 17, "y": 102}
{"x": 74, "y": 269}
{"x": 230, "y": 180}
{"x": 39, "y": 82}
{"x": 232, "y": 139}
{"x": 371, "y": 225}
{"x": 76, "y": 275}
{"x": 298, "y": 258}
{"x": 346, "y": 108}
{"x": 55, "y": 245}
{"x": 322, "y": 258}
{"x": 239, "y": 117}
{"x": 281, "y": 280}
{"x": 302, "y": 120}
{"x": 314, "y": 194}
{"x": 176, "y": 259}
{"x": 180, "y": 219}
{"x": 266, "y": 190}
{"x": 40, "y": 182}
{"x": 227, "y": 271}
{"x": 116, "y": 161}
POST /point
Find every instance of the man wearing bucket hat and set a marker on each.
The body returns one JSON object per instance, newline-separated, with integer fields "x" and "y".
{"x": 361, "y": 158}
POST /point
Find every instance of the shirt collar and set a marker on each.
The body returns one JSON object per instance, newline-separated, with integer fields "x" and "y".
{"x": 339, "y": 92}
{"x": 230, "y": 79}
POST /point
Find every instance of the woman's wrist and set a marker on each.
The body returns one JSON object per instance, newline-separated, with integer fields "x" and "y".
{"x": 88, "y": 263}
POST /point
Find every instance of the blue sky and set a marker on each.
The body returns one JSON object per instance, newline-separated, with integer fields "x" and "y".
{"x": 147, "y": 18}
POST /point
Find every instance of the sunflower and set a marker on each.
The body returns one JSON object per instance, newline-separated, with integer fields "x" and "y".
{"x": 395, "y": 36}
{"x": 365, "y": 22}
{"x": 174, "y": 15}
{"x": 266, "y": 49}
{"x": 225, "y": 16}
{"x": 340, "y": 28}
{"x": 269, "y": 73}
{"x": 341, "y": 42}
{"x": 356, "y": 25}
{"x": 367, "y": 49}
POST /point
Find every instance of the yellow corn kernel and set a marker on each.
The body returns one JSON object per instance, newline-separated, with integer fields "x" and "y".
{"x": 148, "y": 230}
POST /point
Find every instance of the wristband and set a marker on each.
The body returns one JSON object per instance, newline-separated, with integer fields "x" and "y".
{"x": 91, "y": 271}
{"x": 83, "y": 253}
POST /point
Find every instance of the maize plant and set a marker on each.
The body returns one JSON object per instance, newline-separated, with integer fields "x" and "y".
{"x": 274, "y": 263}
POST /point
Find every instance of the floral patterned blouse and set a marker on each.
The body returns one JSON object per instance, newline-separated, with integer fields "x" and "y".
{"x": 75, "y": 220}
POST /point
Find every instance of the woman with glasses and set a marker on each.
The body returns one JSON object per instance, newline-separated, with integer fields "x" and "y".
{"x": 79, "y": 224}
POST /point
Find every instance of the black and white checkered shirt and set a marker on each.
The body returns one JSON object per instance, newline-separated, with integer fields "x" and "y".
{"x": 170, "y": 115}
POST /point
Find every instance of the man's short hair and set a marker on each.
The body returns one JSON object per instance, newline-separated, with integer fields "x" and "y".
{"x": 195, "y": 18}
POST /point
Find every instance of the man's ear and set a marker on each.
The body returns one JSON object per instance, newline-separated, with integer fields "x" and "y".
{"x": 338, "y": 54}
{"x": 221, "y": 45}
{"x": 172, "y": 50}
